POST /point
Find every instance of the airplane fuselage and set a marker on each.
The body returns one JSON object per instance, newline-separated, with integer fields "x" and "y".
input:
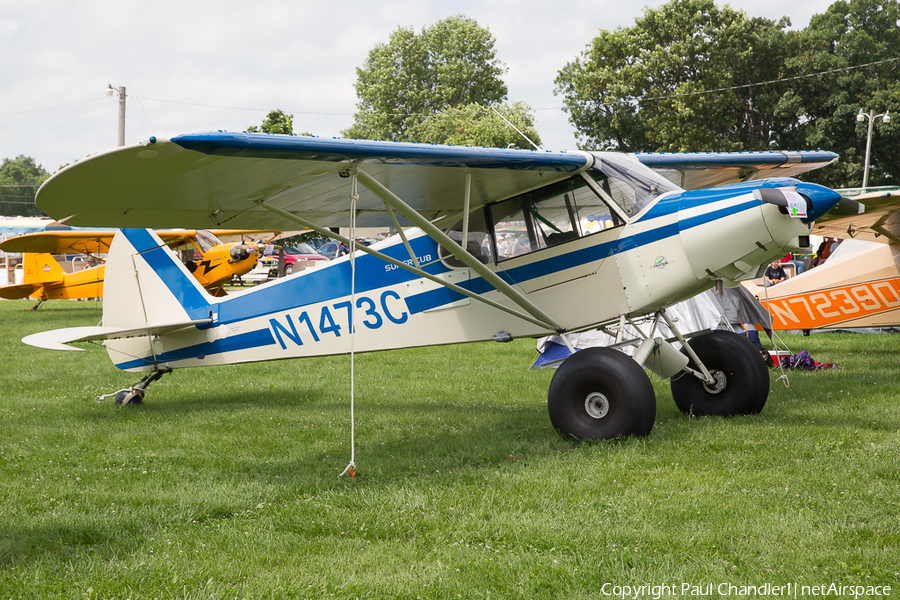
{"x": 674, "y": 249}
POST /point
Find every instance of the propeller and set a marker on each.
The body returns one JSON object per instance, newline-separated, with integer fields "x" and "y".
{"x": 847, "y": 207}
{"x": 819, "y": 200}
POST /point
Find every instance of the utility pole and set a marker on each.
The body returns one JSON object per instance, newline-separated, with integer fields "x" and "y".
{"x": 886, "y": 118}
{"x": 110, "y": 90}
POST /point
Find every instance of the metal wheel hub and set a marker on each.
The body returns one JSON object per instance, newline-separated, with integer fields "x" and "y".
{"x": 718, "y": 385}
{"x": 596, "y": 405}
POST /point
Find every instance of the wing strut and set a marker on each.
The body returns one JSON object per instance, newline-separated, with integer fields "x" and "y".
{"x": 411, "y": 269}
{"x": 883, "y": 231}
{"x": 455, "y": 249}
{"x": 399, "y": 229}
{"x": 467, "y": 201}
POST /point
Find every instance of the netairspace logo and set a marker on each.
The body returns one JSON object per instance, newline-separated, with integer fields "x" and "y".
{"x": 788, "y": 590}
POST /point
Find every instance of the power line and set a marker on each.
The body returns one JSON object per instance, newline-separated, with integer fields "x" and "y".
{"x": 266, "y": 110}
{"x": 31, "y": 110}
{"x": 773, "y": 81}
{"x": 304, "y": 112}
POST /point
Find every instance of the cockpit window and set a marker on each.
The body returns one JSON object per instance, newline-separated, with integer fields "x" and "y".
{"x": 479, "y": 244}
{"x": 206, "y": 240}
{"x": 532, "y": 221}
{"x": 562, "y": 211}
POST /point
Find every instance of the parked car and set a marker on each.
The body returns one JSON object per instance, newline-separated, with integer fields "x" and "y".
{"x": 292, "y": 254}
{"x": 329, "y": 249}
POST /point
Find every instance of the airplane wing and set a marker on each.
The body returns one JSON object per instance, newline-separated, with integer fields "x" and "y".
{"x": 80, "y": 242}
{"x": 879, "y": 223}
{"x": 60, "y": 242}
{"x": 243, "y": 235}
{"x": 221, "y": 179}
{"x": 695, "y": 170}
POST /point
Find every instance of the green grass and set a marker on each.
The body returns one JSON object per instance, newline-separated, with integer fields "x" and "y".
{"x": 224, "y": 482}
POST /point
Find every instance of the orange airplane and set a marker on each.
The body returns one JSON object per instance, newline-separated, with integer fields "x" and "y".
{"x": 857, "y": 286}
{"x": 211, "y": 261}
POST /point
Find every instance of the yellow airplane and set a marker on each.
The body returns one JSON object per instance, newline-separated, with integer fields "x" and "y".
{"x": 211, "y": 261}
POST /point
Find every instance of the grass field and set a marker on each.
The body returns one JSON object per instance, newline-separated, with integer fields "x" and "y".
{"x": 224, "y": 482}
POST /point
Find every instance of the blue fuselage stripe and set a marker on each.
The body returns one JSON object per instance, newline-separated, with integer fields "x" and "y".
{"x": 439, "y": 297}
{"x": 244, "y": 341}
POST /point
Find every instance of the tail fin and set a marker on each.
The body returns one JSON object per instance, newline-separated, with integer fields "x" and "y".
{"x": 147, "y": 286}
{"x": 41, "y": 268}
{"x": 148, "y": 294}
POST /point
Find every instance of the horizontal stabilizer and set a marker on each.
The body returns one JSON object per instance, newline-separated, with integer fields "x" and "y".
{"x": 59, "y": 339}
{"x": 16, "y": 292}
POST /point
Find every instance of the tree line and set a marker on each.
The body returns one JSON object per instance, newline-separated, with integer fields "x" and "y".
{"x": 688, "y": 76}
{"x": 692, "y": 76}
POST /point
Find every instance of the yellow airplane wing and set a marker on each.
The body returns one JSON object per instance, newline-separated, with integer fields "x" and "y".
{"x": 250, "y": 235}
{"x": 79, "y": 241}
{"x": 61, "y": 242}
{"x": 98, "y": 241}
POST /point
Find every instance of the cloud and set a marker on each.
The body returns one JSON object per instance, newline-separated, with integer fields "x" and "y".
{"x": 201, "y": 65}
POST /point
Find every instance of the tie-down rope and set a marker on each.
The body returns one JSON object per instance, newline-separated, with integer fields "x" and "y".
{"x": 354, "y": 196}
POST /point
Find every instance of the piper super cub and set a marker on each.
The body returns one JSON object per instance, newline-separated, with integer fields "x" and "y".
{"x": 493, "y": 244}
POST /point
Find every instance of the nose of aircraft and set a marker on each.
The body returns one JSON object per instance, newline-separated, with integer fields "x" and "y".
{"x": 824, "y": 200}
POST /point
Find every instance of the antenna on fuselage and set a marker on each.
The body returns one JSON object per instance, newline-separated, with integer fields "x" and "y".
{"x": 519, "y": 131}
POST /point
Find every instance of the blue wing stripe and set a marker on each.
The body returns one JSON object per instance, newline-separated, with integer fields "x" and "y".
{"x": 259, "y": 145}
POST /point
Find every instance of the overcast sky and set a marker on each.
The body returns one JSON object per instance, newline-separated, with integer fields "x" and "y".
{"x": 224, "y": 64}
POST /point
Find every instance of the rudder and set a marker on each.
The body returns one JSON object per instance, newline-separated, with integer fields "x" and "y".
{"x": 146, "y": 284}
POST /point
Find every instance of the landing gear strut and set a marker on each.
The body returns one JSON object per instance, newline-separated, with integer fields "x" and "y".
{"x": 135, "y": 393}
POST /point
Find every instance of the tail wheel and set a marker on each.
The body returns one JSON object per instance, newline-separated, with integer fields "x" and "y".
{"x": 132, "y": 396}
{"x": 741, "y": 379}
{"x": 601, "y": 394}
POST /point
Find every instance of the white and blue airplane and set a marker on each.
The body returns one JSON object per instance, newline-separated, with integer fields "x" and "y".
{"x": 555, "y": 242}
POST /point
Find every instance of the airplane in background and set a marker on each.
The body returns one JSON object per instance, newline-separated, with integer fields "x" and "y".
{"x": 857, "y": 286}
{"x": 210, "y": 260}
{"x": 492, "y": 244}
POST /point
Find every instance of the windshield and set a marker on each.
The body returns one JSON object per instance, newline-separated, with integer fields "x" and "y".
{"x": 300, "y": 248}
{"x": 206, "y": 240}
{"x": 630, "y": 183}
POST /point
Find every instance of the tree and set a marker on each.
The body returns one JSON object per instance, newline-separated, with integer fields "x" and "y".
{"x": 693, "y": 77}
{"x": 477, "y": 125}
{"x": 20, "y": 179}
{"x": 679, "y": 80}
{"x": 413, "y": 77}
{"x": 849, "y": 34}
{"x": 276, "y": 121}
